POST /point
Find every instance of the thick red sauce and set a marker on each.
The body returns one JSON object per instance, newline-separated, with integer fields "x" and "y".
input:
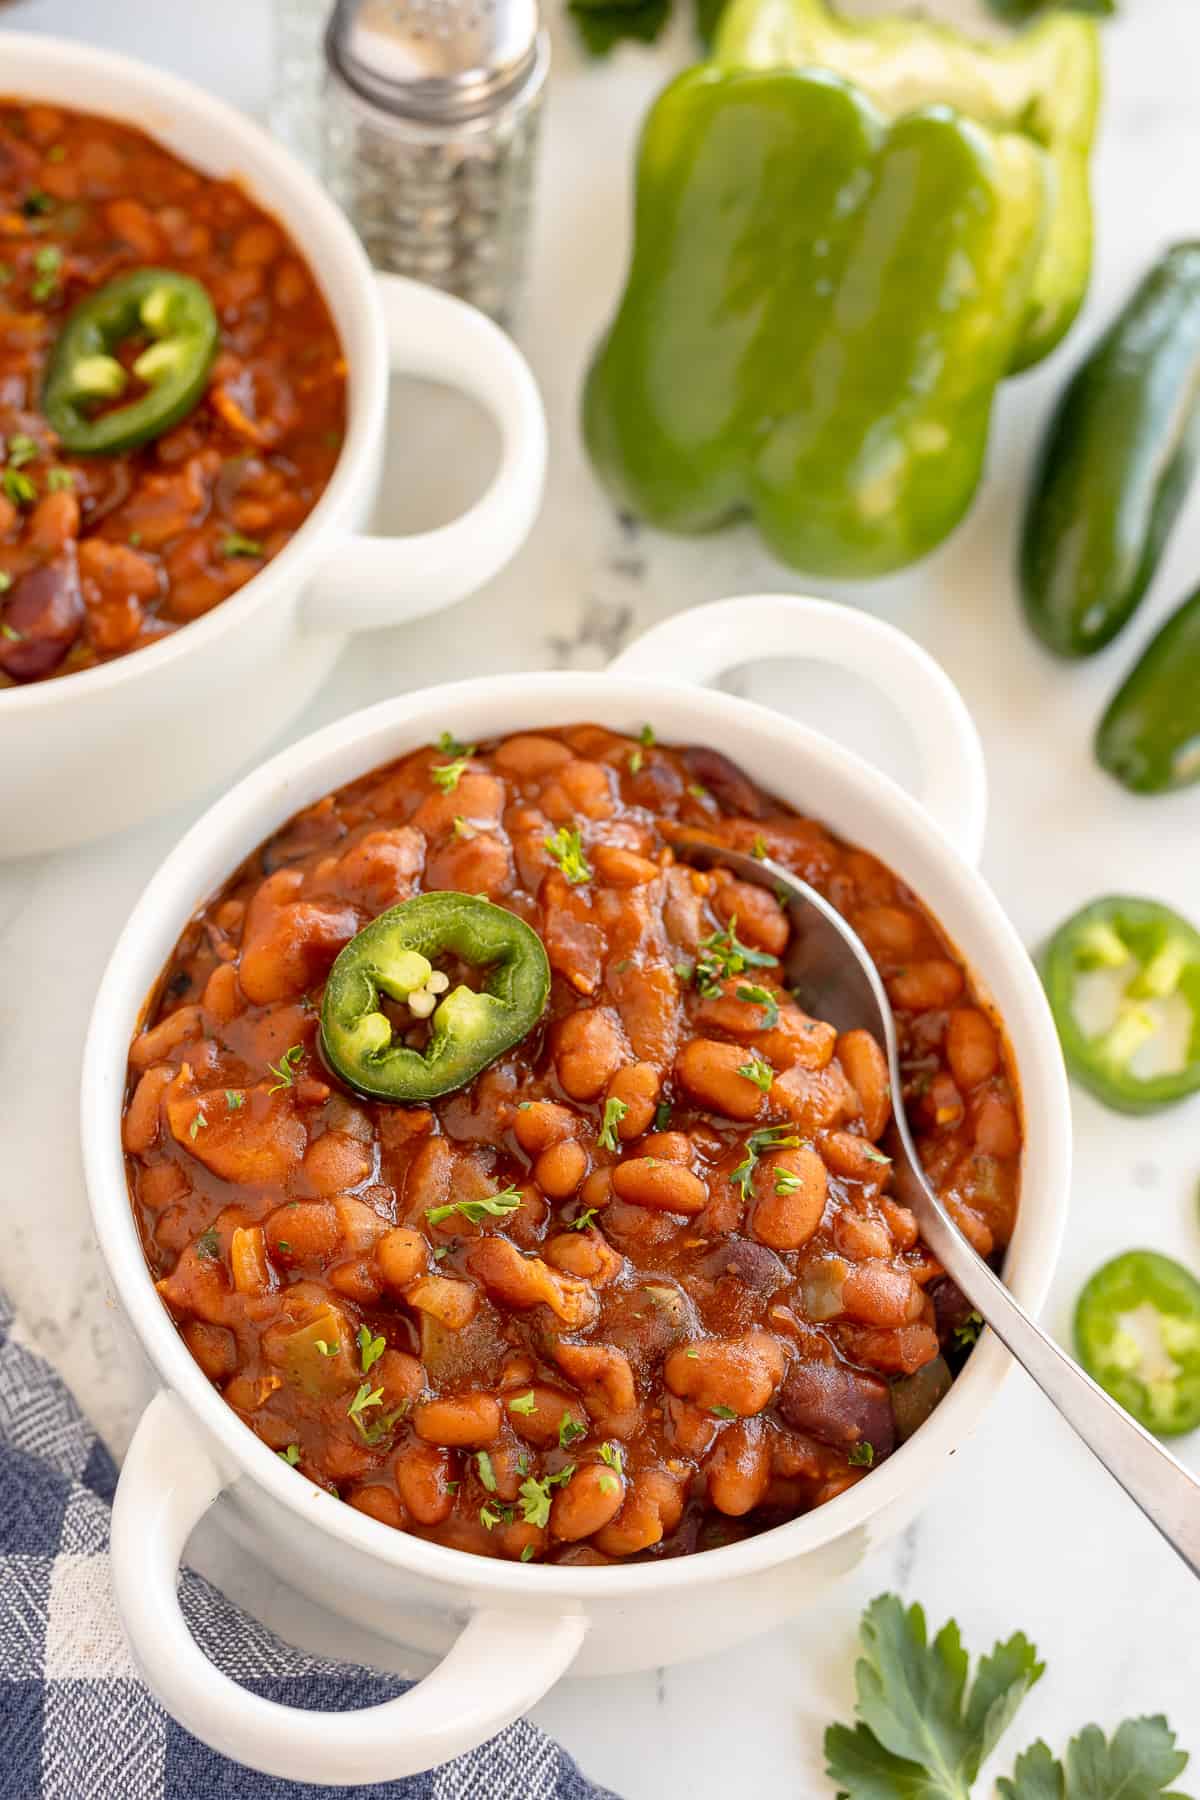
{"x": 682, "y": 1333}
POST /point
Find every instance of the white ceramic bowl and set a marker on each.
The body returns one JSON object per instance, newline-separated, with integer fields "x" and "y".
{"x": 512, "y": 1629}
{"x": 96, "y": 751}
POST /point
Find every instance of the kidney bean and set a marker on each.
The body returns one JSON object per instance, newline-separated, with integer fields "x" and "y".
{"x": 587, "y": 1502}
{"x": 709, "y": 1072}
{"x": 459, "y": 1421}
{"x": 867, "y": 1071}
{"x": 637, "y": 1087}
{"x": 43, "y": 615}
{"x": 560, "y": 1168}
{"x": 422, "y": 1474}
{"x": 789, "y": 1197}
{"x": 739, "y": 1373}
{"x": 663, "y": 1186}
{"x": 972, "y": 1047}
{"x": 838, "y": 1405}
{"x": 738, "y": 1468}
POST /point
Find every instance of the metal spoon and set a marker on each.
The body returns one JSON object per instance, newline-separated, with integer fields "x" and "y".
{"x": 835, "y": 979}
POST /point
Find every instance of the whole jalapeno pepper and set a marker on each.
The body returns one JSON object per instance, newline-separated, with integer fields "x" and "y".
{"x": 1137, "y": 1332}
{"x": 86, "y": 377}
{"x": 394, "y": 958}
{"x": 1123, "y": 980}
{"x": 1116, "y": 465}
{"x": 1149, "y": 737}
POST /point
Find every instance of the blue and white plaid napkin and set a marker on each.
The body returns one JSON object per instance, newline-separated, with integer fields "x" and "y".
{"x": 76, "y": 1723}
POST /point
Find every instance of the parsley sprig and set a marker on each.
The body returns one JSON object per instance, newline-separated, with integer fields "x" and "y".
{"x": 446, "y": 776}
{"x": 535, "y": 1495}
{"x": 491, "y": 1206}
{"x": 760, "y": 996}
{"x": 925, "y": 1729}
{"x": 614, "y": 1112}
{"x": 286, "y": 1068}
{"x": 722, "y": 956}
{"x": 759, "y": 1071}
{"x": 566, "y": 847}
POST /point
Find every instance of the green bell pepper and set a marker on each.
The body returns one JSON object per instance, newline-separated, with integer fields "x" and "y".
{"x": 1149, "y": 737}
{"x": 1137, "y": 1332}
{"x": 85, "y": 375}
{"x": 1123, "y": 980}
{"x": 392, "y": 959}
{"x": 820, "y": 305}
{"x": 1043, "y": 83}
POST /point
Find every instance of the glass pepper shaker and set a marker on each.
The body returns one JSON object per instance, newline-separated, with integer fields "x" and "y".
{"x": 430, "y": 133}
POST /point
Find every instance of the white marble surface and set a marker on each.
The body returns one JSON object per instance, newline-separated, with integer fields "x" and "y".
{"x": 1025, "y": 1532}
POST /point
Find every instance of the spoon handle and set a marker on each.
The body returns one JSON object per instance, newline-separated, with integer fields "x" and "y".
{"x": 1167, "y": 1493}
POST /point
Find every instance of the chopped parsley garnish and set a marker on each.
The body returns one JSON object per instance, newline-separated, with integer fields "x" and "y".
{"x": 6, "y": 274}
{"x": 786, "y": 1181}
{"x": 568, "y": 1430}
{"x": 291, "y": 1456}
{"x": 48, "y": 263}
{"x": 646, "y": 737}
{"x": 233, "y": 1099}
{"x": 535, "y": 1496}
{"x": 56, "y": 153}
{"x": 198, "y": 1124}
{"x": 487, "y": 1474}
{"x": 583, "y": 1220}
{"x": 449, "y": 745}
{"x": 286, "y": 1067}
{"x": 6, "y": 581}
{"x": 18, "y": 487}
{"x": 758, "y": 849}
{"x": 527, "y": 1553}
{"x": 968, "y": 1332}
{"x": 760, "y": 996}
{"x": 234, "y": 544}
{"x": 772, "y": 1137}
{"x": 490, "y": 1516}
{"x": 722, "y": 1412}
{"x": 463, "y": 830}
{"x": 60, "y": 481}
{"x": 446, "y": 776}
{"x": 36, "y": 204}
{"x": 697, "y": 791}
{"x": 370, "y": 1348}
{"x": 22, "y": 449}
{"x": 759, "y": 1071}
{"x": 861, "y": 1456}
{"x": 208, "y": 1244}
{"x": 662, "y": 1115}
{"x": 366, "y": 1397}
{"x": 607, "y": 1483}
{"x": 876, "y": 1156}
{"x": 492, "y": 1206}
{"x": 523, "y": 1404}
{"x": 328, "y": 1349}
{"x": 282, "y": 1244}
{"x": 614, "y": 1111}
{"x": 613, "y": 1456}
{"x": 566, "y": 847}
{"x": 636, "y": 759}
{"x": 723, "y": 955}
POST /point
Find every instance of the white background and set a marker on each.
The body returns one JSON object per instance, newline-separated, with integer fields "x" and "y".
{"x": 1025, "y": 1532}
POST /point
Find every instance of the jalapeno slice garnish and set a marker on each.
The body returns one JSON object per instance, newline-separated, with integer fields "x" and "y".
{"x": 172, "y": 318}
{"x": 1137, "y": 1332}
{"x": 394, "y": 959}
{"x": 1123, "y": 979}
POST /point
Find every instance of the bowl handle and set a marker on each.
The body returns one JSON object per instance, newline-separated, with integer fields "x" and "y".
{"x": 707, "y": 641}
{"x": 500, "y": 1666}
{"x": 371, "y": 581}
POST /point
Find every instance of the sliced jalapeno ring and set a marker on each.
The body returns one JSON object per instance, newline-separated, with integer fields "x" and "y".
{"x": 394, "y": 958}
{"x": 85, "y": 374}
{"x": 1137, "y": 1332}
{"x": 1123, "y": 979}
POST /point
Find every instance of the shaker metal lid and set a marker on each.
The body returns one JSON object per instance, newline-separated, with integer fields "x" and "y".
{"x": 434, "y": 59}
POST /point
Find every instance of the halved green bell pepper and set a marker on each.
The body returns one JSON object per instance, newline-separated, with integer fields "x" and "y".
{"x": 1043, "y": 83}
{"x": 820, "y": 305}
